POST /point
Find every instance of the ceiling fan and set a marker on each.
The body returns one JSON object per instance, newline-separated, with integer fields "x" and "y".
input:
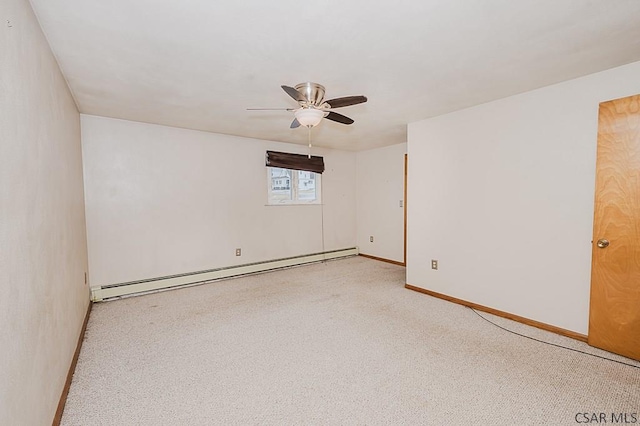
{"x": 313, "y": 107}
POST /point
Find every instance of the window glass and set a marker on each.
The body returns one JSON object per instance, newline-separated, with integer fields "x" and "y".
{"x": 306, "y": 185}
{"x": 280, "y": 184}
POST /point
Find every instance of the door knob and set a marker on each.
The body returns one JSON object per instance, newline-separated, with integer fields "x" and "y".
{"x": 603, "y": 243}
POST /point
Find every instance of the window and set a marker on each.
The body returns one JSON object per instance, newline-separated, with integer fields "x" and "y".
{"x": 286, "y": 186}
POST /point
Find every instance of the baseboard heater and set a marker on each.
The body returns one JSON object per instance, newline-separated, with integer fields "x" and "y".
{"x": 106, "y": 292}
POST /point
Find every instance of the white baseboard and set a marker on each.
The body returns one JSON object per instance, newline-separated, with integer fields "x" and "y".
{"x": 101, "y": 293}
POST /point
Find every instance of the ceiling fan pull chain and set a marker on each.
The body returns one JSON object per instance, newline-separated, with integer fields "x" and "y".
{"x": 309, "y": 127}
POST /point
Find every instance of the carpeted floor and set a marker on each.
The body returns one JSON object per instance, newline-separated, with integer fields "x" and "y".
{"x": 335, "y": 343}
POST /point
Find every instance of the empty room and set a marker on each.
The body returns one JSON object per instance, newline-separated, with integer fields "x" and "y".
{"x": 219, "y": 212}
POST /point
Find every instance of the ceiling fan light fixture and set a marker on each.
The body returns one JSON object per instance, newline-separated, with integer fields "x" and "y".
{"x": 309, "y": 117}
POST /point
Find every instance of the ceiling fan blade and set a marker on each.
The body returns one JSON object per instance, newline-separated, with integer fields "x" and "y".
{"x": 299, "y": 97}
{"x": 270, "y": 109}
{"x": 346, "y": 101}
{"x": 334, "y": 116}
{"x": 294, "y": 124}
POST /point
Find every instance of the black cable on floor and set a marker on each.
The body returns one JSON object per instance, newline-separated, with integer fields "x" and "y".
{"x": 552, "y": 344}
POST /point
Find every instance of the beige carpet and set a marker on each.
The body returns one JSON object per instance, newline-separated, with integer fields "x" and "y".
{"x": 335, "y": 343}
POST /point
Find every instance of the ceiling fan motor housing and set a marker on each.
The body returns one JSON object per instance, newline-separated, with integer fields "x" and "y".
{"x": 314, "y": 92}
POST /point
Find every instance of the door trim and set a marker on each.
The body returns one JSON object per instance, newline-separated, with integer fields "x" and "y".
{"x": 404, "y": 204}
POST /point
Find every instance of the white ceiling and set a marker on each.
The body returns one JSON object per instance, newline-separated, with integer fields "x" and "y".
{"x": 200, "y": 63}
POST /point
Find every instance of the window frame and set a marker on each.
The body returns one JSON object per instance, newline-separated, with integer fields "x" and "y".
{"x": 295, "y": 200}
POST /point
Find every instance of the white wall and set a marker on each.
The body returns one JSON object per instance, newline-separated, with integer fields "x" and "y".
{"x": 43, "y": 257}
{"x": 502, "y": 195}
{"x": 380, "y": 188}
{"x": 163, "y": 200}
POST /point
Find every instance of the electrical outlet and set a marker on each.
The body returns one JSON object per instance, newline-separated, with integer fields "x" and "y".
{"x": 434, "y": 264}
{"x": 371, "y": 239}
{"x": 238, "y": 252}
{"x": 400, "y": 203}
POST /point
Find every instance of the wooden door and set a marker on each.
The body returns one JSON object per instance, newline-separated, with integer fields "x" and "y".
{"x": 614, "y": 315}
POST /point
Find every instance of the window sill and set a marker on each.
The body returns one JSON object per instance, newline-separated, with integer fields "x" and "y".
{"x": 293, "y": 204}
